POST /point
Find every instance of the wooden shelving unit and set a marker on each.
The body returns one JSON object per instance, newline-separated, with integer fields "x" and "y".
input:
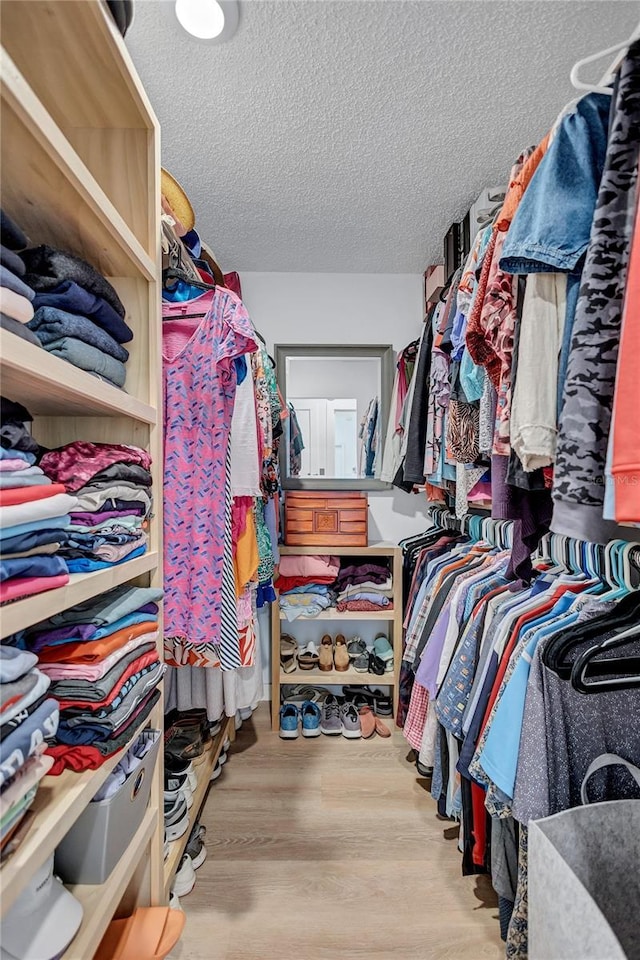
{"x": 390, "y": 621}
{"x": 80, "y": 170}
{"x": 203, "y": 767}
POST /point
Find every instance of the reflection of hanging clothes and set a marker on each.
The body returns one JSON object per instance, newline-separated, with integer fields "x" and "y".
{"x": 296, "y": 443}
{"x": 369, "y": 437}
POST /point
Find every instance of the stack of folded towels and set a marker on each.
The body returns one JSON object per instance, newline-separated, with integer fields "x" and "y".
{"x": 34, "y": 513}
{"x": 112, "y": 486}
{"x": 363, "y": 586}
{"x": 28, "y": 717}
{"x": 101, "y": 658}
{"x": 60, "y": 302}
{"x": 305, "y": 584}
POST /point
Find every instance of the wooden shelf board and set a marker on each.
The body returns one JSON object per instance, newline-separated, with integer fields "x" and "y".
{"x": 99, "y": 901}
{"x": 111, "y": 95}
{"x": 50, "y": 192}
{"x": 57, "y": 805}
{"x": 337, "y": 678}
{"x": 82, "y": 586}
{"x": 379, "y": 549}
{"x": 51, "y": 387}
{"x": 332, "y": 614}
{"x": 203, "y": 770}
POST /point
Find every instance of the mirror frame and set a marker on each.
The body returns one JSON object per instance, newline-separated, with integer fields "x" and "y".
{"x": 386, "y": 354}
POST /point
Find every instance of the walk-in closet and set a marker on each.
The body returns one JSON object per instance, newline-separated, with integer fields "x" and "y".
{"x": 319, "y": 479}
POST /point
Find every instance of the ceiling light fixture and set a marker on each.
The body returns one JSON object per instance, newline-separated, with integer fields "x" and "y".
{"x": 213, "y": 20}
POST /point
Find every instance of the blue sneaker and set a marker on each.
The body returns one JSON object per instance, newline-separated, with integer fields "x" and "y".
{"x": 289, "y": 716}
{"x": 310, "y": 714}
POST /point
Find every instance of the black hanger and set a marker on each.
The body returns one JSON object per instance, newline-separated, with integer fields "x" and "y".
{"x": 172, "y": 273}
{"x": 554, "y": 655}
{"x": 622, "y": 673}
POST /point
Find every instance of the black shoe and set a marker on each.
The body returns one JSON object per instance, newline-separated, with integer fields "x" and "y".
{"x": 424, "y": 771}
{"x": 189, "y": 719}
{"x": 382, "y": 703}
{"x": 376, "y": 665}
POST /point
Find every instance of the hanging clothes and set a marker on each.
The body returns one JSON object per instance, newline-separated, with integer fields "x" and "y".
{"x": 199, "y": 381}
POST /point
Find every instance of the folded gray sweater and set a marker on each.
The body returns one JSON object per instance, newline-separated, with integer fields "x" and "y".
{"x": 88, "y": 358}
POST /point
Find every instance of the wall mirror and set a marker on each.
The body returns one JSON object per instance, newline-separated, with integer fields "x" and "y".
{"x": 338, "y": 399}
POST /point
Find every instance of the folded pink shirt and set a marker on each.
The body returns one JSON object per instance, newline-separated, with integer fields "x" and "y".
{"x": 27, "y": 586}
{"x": 97, "y": 670}
{"x": 313, "y": 566}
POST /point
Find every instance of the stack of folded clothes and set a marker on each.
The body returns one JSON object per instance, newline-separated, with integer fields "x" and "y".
{"x": 101, "y": 658}
{"x": 305, "y": 584}
{"x": 363, "y": 586}
{"x": 78, "y": 314}
{"x": 34, "y": 513}
{"x": 112, "y": 485}
{"x": 16, "y": 296}
{"x": 28, "y": 717}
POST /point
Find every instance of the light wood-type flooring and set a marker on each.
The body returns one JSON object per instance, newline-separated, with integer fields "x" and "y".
{"x": 330, "y": 849}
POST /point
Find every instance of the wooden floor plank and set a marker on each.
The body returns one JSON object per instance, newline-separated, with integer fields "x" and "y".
{"x": 331, "y": 850}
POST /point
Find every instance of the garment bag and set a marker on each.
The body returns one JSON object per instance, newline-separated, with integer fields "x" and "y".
{"x": 584, "y": 878}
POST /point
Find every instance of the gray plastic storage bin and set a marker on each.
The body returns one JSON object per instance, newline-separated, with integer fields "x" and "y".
{"x": 103, "y": 831}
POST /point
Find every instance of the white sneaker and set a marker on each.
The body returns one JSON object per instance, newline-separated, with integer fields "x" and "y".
{"x": 185, "y": 879}
{"x": 217, "y": 771}
{"x": 223, "y": 757}
{"x": 184, "y": 791}
{"x": 174, "y": 901}
{"x": 192, "y": 778}
{"x": 245, "y": 713}
{"x": 238, "y": 720}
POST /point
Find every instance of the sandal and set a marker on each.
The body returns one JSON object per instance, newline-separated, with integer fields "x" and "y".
{"x": 308, "y": 658}
{"x": 288, "y": 650}
{"x": 383, "y": 649}
{"x": 298, "y": 693}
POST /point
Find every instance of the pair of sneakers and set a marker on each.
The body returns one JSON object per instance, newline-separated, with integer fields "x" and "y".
{"x": 306, "y": 717}
{"x": 180, "y": 782}
{"x": 340, "y": 719}
{"x": 194, "y": 856}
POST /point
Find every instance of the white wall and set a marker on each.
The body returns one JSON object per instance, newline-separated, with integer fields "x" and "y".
{"x": 345, "y": 308}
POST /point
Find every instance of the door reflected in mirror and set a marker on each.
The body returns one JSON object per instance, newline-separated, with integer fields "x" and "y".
{"x": 335, "y": 397}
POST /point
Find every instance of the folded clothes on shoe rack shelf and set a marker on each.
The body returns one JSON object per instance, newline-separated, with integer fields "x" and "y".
{"x": 310, "y": 584}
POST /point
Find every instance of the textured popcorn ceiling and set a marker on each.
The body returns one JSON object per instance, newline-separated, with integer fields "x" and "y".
{"x": 346, "y": 135}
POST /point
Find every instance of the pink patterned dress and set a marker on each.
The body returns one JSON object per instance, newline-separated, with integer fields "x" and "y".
{"x": 199, "y": 382}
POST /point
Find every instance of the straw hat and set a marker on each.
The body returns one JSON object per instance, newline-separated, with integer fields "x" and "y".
{"x": 177, "y": 200}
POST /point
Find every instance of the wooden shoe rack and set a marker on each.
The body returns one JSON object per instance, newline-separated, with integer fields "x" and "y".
{"x": 333, "y": 621}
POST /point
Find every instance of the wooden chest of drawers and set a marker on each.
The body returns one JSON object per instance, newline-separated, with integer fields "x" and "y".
{"x": 315, "y": 518}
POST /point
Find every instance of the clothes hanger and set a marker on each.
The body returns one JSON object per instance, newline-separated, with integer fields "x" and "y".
{"x": 607, "y": 666}
{"x": 602, "y": 87}
{"x": 173, "y": 273}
